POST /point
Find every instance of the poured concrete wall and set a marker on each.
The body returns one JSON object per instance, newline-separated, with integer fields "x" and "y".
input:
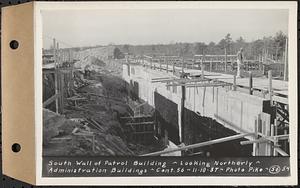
{"x": 233, "y": 109}
{"x": 225, "y": 105}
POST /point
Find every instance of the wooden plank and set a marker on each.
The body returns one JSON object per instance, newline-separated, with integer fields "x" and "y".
{"x": 200, "y": 84}
{"x": 280, "y": 151}
{"x": 144, "y": 132}
{"x": 181, "y": 80}
{"x": 135, "y": 117}
{"x": 50, "y": 100}
{"x": 253, "y": 141}
{"x": 282, "y": 100}
{"x": 141, "y": 123}
{"x": 202, "y": 144}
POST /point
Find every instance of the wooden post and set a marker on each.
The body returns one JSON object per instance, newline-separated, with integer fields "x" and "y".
{"x": 234, "y": 82}
{"x": 69, "y": 53}
{"x": 62, "y": 86}
{"x": 210, "y": 65}
{"x": 202, "y": 67}
{"x": 275, "y": 134}
{"x": 167, "y": 64}
{"x": 54, "y": 52}
{"x": 55, "y": 75}
{"x": 173, "y": 67}
{"x": 193, "y": 63}
{"x": 259, "y": 62}
{"x": 57, "y": 54}
{"x": 270, "y": 86}
{"x": 250, "y": 83}
{"x": 285, "y": 77}
{"x": 166, "y": 138}
{"x": 182, "y": 65}
{"x": 272, "y": 144}
{"x": 225, "y": 60}
{"x": 255, "y": 145}
{"x": 182, "y": 112}
{"x": 160, "y": 64}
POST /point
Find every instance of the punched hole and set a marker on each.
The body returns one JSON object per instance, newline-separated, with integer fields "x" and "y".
{"x": 16, "y": 147}
{"x": 14, "y": 44}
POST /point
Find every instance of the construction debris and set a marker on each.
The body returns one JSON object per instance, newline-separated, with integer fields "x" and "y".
{"x": 91, "y": 122}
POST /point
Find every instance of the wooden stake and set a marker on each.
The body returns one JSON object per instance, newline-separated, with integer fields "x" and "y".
{"x": 272, "y": 144}
{"x": 270, "y": 86}
{"x": 250, "y": 84}
{"x": 202, "y": 67}
{"x": 167, "y": 64}
{"x": 62, "y": 86}
{"x": 255, "y": 145}
{"x": 234, "y": 82}
{"x": 173, "y": 67}
{"x": 182, "y": 65}
{"x": 160, "y": 64}
{"x": 225, "y": 60}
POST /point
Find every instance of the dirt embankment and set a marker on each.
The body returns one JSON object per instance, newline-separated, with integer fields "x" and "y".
{"x": 90, "y": 124}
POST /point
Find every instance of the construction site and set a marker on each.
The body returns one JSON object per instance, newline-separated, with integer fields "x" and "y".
{"x": 162, "y": 105}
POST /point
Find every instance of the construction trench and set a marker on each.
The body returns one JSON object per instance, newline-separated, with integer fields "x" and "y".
{"x": 139, "y": 107}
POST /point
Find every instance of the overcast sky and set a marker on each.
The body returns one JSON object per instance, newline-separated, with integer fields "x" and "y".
{"x": 101, "y": 27}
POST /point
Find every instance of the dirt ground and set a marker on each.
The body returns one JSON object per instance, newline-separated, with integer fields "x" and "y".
{"x": 90, "y": 123}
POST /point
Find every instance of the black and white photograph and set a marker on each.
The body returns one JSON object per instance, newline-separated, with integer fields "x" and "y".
{"x": 184, "y": 86}
{"x": 210, "y": 83}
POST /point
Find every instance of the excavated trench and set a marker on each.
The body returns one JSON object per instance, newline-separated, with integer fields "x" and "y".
{"x": 95, "y": 122}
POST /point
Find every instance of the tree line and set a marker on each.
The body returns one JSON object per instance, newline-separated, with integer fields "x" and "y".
{"x": 271, "y": 46}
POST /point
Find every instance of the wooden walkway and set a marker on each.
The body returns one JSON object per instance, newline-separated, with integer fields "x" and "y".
{"x": 261, "y": 84}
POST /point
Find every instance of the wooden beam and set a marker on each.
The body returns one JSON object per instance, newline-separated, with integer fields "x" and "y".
{"x": 181, "y": 80}
{"x": 202, "y": 144}
{"x": 267, "y": 137}
{"x": 141, "y": 123}
{"x": 48, "y": 71}
{"x": 134, "y": 117}
{"x": 282, "y": 137}
{"x": 253, "y": 141}
{"x": 200, "y": 84}
{"x": 280, "y": 151}
{"x": 270, "y": 86}
{"x": 234, "y": 83}
{"x": 144, "y": 132}
{"x": 50, "y": 100}
{"x": 250, "y": 84}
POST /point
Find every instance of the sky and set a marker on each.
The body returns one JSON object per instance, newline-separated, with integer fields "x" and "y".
{"x": 75, "y": 28}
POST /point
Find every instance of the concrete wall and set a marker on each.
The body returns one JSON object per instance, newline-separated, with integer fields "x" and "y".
{"x": 233, "y": 109}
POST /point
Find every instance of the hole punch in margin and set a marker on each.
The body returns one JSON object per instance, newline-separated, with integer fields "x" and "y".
{"x": 14, "y": 44}
{"x": 16, "y": 147}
